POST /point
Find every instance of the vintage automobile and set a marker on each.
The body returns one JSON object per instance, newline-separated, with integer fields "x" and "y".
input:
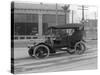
{"x": 67, "y": 37}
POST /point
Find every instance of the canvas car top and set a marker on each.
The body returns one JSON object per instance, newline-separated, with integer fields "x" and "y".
{"x": 66, "y": 26}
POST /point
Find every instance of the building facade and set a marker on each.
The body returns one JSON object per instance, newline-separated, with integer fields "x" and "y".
{"x": 32, "y": 20}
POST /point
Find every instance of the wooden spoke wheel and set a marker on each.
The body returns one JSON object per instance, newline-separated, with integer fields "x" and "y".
{"x": 80, "y": 48}
{"x": 41, "y": 51}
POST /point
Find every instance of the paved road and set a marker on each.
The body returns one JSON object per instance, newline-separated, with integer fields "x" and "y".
{"x": 59, "y": 62}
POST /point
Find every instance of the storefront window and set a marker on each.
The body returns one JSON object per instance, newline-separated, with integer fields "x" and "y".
{"x": 26, "y": 24}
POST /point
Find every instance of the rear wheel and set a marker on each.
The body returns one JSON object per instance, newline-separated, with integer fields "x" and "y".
{"x": 41, "y": 51}
{"x": 80, "y": 48}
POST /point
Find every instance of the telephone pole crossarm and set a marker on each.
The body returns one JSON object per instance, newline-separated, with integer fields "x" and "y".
{"x": 83, "y": 8}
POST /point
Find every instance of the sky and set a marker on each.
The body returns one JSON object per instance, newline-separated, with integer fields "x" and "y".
{"x": 89, "y": 13}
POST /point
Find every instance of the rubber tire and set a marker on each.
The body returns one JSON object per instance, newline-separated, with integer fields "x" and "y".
{"x": 41, "y": 46}
{"x": 83, "y": 50}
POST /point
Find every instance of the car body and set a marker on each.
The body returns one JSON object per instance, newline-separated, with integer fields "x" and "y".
{"x": 67, "y": 37}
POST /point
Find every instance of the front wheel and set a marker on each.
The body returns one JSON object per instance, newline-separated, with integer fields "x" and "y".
{"x": 80, "y": 48}
{"x": 41, "y": 51}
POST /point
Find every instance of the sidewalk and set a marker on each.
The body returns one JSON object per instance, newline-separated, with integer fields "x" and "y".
{"x": 20, "y": 53}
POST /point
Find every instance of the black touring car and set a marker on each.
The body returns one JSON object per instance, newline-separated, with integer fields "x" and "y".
{"x": 67, "y": 37}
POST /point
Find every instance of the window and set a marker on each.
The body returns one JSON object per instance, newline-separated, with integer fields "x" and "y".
{"x": 19, "y": 29}
{"x": 45, "y": 28}
{"x": 26, "y": 24}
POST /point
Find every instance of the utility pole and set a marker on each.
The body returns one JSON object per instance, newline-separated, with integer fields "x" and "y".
{"x": 95, "y": 15}
{"x": 66, "y": 10}
{"x": 82, "y": 13}
{"x": 83, "y": 8}
{"x": 72, "y": 16}
{"x": 56, "y": 15}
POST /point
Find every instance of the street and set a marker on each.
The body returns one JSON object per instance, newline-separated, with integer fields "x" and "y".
{"x": 61, "y": 61}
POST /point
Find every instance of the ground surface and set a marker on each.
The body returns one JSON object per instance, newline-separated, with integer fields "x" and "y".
{"x": 58, "y": 62}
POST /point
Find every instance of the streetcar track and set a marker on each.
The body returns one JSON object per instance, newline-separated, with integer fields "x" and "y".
{"x": 50, "y": 61}
{"x": 55, "y": 64}
{"x": 59, "y": 55}
{"x": 30, "y": 64}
